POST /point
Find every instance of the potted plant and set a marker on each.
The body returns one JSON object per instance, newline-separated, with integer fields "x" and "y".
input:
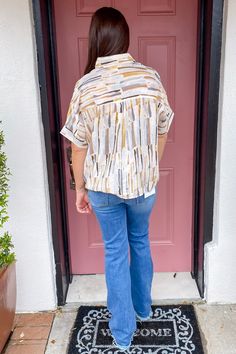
{"x": 7, "y": 256}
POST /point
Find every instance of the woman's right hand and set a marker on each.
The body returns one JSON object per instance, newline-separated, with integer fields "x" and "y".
{"x": 82, "y": 202}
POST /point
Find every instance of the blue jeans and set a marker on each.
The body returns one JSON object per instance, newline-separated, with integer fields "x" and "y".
{"x": 124, "y": 224}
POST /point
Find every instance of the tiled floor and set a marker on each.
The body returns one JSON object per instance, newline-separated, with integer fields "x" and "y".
{"x": 48, "y": 332}
{"x": 31, "y": 332}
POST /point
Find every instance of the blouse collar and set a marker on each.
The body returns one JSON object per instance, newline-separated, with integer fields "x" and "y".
{"x": 112, "y": 59}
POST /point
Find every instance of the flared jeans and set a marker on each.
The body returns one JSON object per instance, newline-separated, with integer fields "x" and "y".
{"x": 124, "y": 224}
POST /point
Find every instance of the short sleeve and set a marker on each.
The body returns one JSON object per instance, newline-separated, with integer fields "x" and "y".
{"x": 166, "y": 114}
{"x": 74, "y": 128}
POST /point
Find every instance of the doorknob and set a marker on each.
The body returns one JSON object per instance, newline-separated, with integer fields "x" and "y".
{"x": 69, "y": 159}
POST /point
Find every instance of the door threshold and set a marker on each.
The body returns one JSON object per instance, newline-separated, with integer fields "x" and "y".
{"x": 91, "y": 288}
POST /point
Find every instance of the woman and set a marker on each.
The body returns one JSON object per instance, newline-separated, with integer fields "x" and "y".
{"x": 118, "y": 120}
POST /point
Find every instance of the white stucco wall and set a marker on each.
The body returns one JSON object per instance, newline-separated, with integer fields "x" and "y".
{"x": 220, "y": 261}
{"x": 29, "y": 209}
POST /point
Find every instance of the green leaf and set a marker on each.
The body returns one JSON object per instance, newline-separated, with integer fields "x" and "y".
{"x": 7, "y": 255}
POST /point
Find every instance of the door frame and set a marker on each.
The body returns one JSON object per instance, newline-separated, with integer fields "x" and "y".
{"x": 205, "y": 140}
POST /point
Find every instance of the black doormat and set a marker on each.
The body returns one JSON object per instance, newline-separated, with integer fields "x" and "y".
{"x": 172, "y": 329}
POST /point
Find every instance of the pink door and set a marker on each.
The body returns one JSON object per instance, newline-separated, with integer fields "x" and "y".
{"x": 164, "y": 36}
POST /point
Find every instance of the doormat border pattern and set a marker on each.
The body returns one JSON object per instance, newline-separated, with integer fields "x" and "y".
{"x": 91, "y": 320}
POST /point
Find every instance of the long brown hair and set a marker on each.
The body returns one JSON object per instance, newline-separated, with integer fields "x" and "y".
{"x": 108, "y": 35}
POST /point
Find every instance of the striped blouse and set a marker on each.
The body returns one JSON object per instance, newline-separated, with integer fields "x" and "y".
{"x": 117, "y": 111}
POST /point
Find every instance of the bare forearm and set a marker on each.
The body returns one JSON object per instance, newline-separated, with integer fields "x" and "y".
{"x": 161, "y": 145}
{"x": 78, "y": 158}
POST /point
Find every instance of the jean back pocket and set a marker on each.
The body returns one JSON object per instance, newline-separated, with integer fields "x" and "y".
{"x": 98, "y": 198}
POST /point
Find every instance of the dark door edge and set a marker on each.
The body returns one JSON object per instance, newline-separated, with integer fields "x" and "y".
{"x": 47, "y": 74}
{"x": 209, "y": 61}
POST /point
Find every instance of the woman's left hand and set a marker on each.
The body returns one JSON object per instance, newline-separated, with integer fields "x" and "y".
{"x": 82, "y": 202}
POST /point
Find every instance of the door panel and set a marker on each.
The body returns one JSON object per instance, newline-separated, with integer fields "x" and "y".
{"x": 163, "y": 35}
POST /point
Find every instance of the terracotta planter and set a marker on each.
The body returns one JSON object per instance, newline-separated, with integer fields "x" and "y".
{"x": 7, "y": 301}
